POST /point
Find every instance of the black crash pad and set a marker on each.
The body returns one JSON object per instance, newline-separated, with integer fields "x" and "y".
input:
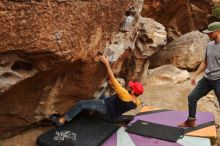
{"x": 81, "y": 131}
{"x": 121, "y": 119}
{"x": 154, "y": 130}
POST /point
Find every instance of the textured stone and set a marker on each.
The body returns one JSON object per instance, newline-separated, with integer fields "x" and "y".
{"x": 48, "y": 49}
{"x": 185, "y": 52}
{"x": 151, "y": 37}
{"x": 70, "y": 29}
{"x": 179, "y": 17}
{"x": 12, "y": 70}
{"x": 148, "y": 37}
{"x": 166, "y": 74}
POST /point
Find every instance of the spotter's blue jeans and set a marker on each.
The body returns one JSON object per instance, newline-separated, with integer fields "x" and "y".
{"x": 203, "y": 87}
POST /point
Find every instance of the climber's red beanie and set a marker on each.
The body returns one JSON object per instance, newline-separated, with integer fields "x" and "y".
{"x": 136, "y": 87}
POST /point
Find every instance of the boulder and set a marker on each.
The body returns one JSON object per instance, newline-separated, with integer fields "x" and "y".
{"x": 179, "y": 17}
{"x": 166, "y": 74}
{"x": 151, "y": 38}
{"x": 185, "y": 52}
{"x": 47, "y": 51}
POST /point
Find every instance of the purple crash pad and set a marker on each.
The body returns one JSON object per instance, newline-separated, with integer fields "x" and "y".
{"x": 170, "y": 118}
{"x": 173, "y": 118}
{"x": 111, "y": 141}
{"x": 139, "y": 141}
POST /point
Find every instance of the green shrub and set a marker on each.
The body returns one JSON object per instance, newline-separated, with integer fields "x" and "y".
{"x": 216, "y": 12}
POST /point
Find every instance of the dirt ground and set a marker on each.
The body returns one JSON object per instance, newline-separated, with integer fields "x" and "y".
{"x": 173, "y": 96}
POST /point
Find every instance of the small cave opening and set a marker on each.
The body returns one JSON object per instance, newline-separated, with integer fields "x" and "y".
{"x": 130, "y": 12}
{"x": 21, "y": 65}
{"x": 145, "y": 39}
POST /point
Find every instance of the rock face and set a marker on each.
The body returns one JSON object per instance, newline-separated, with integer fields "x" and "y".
{"x": 70, "y": 29}
{"x": 151, "y": 38}
{"x": 179, "y": 17}
{"x": 47, "y": 55}
{"x": 13, "y": 69}
{"x": 166, "y": 74}
{"x": 185, "y": 52}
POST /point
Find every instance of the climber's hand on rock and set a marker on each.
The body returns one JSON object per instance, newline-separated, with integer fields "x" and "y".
{"x": 104, "y": 59}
